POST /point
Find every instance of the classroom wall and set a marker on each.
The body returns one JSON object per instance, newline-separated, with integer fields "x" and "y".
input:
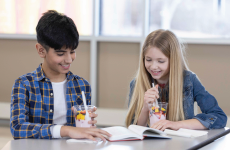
{"x": 20, "y": 56}
{"x": 117, "y": 64}
{"x": 212, "y": 65}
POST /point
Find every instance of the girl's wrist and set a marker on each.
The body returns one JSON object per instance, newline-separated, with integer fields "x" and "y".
{"x": 145, "y": 110}
{"x": 179, "y": 124}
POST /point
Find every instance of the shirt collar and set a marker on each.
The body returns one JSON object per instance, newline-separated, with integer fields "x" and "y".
{"x": 39, "y": 74}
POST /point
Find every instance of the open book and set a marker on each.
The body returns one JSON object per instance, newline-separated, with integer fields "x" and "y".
{"x": 186, "y": 132}
{"x": 134, "y": 132}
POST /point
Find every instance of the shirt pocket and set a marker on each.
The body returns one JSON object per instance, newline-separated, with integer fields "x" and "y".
{"x": 78, "y": 100}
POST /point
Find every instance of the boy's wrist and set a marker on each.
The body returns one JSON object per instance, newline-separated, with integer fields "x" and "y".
{"x": 64, "y": 131}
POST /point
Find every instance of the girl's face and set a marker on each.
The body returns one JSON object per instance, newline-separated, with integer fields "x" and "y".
{"x": 157, "y": 64}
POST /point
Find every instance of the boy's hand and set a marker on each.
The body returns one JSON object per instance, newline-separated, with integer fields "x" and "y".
{"x": 92, "y": 115}
{"x": 89, "y": 133}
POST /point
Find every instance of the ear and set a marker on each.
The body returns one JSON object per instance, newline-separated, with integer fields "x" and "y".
{"x": 41, "y": 50}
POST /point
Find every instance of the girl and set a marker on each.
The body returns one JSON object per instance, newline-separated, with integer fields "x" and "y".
{"x": 162, "y": 61}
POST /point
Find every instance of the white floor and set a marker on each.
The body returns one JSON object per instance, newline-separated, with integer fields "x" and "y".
{"x": 5, "y": 136}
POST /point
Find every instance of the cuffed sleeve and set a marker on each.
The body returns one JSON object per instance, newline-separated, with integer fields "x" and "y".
{"x": 19, "y": 118}
{"x": 212, "y": 116}
{"x": 56, "y": 131}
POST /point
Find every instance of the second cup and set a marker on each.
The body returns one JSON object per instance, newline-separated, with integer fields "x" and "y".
{"x": 80, "y": 115}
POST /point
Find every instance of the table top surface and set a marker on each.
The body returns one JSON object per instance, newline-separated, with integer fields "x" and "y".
{"x": 146, "y": 144}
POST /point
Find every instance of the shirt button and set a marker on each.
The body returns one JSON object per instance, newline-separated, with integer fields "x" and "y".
{"x": 51, "y": 94}
{"x": 46, "y": 79}
{"x": 51, "y": 110}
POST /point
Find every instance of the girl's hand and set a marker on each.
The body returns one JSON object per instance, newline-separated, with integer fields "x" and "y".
{"x": 151, "y": 95}
{"x": 166, "y": 124}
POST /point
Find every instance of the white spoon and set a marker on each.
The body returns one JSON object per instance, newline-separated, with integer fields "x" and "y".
{"x": 156, "y": 102}
{"x": 86, "y": 109}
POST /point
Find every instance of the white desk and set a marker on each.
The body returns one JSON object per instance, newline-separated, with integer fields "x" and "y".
{"x": 176, "y": 143}
{"x": 222, "y": 143}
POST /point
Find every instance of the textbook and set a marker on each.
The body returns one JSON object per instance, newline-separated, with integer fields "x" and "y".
{"x": 186, "y": 132}
{"x": 134, "y": 132}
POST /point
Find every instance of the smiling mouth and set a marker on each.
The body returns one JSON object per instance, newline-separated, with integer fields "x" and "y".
{"x": 65, "y": 66}
{"x": 155, "y": 72}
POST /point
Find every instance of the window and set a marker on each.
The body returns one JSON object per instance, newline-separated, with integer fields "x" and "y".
{"x": 21, "y": 17}
{"x": 191, "y": 18}
{"x": 121, "y": 18}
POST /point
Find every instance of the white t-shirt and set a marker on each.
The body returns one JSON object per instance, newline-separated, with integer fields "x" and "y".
{"x": 60, "y": 108}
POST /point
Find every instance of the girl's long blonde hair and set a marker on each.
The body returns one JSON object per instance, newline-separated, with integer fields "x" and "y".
{"x": 170, "y": 46}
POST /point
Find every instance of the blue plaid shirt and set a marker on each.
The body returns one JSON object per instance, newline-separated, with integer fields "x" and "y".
{"x": 32, "y": 103}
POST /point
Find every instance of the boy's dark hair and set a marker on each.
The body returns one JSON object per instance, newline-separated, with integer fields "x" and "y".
{"x": 56, "y": 30}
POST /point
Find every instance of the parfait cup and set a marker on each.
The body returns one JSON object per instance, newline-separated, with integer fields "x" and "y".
{"x": 157, "y": 113}
{"x": 80, "y": 115}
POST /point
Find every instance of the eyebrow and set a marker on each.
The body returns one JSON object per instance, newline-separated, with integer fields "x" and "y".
{"x": 63, "y": 50}
{"x": 157, "y": 58}
{"x": 60, "y": 50}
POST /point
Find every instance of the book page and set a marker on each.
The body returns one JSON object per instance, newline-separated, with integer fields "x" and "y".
{"x": 140, "y": 130}
{"x": 186, "y": 132}
{"x": 121, "y": 133}
{"x": 194, "y": 133}
{"x": 177, "y": 133}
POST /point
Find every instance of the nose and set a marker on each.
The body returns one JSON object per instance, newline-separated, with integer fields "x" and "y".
{"x": 68, "y": 59}
{"x": 153, "y": 66}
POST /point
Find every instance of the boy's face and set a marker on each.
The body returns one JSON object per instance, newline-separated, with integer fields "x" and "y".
{"x": 157, "y": 64}
{"x": 57, "y": 62}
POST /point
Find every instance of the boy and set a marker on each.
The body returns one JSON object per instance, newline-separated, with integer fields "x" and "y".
{"x": 41, "y": 101}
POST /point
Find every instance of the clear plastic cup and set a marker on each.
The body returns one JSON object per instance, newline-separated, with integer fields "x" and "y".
{"x": 157, "y": 113}
{"x": 80, "y": 115}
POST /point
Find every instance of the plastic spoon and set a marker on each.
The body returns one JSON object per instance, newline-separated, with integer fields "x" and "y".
{"x": 156, "y": 102}
{"x": 84, "y": 101}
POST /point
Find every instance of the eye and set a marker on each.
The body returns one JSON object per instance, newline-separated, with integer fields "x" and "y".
{"x": 161, "y": 62}
{"x": 72, "y": 52}
{"x": 148, "y": 59}
{"x": 60, "y": 54}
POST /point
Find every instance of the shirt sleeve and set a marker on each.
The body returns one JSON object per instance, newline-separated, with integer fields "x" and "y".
{"x": 212, "y": 116}
{"x": 88, "y": 93}
{"x": 132, "y": 85}
{"x": 56, "y": 131}
{"x": 19, "y": 116}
